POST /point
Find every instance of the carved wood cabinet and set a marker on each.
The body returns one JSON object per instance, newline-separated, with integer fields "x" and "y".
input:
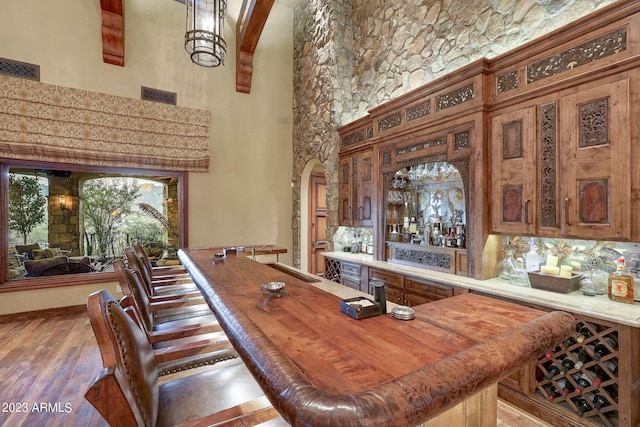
{"x": 561, "y": 165}
{"x": 356, "y": 189}
{"x": 545, "y": 137}
{"x": 356, "y": 179}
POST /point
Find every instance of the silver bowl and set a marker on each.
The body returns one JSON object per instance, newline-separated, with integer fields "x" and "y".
{"x": 273, "y": 286}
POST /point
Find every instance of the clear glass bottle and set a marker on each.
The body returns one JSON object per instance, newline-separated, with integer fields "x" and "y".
{"x": 507, "y": 265}
{"x": 621, "y": 284}
{"x": 532, "y": 258}
{"x": 519, "y": 275}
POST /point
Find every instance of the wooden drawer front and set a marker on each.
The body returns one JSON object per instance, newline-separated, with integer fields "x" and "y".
{"x": 352, "y": 270}
{"x": 350, "y": 282}
{"x": 394, "y": 295}
{"x": 428, "y": 289}
{"x": 389, "y": 279}
{"x": 413, "y": 300}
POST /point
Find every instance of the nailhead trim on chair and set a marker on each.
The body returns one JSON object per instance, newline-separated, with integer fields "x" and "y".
{"x": 176, "y": 369}
{"x": 123, "y": 354}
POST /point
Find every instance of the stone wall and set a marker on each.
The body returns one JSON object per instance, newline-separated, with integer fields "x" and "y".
{"x": 351, "y": 56}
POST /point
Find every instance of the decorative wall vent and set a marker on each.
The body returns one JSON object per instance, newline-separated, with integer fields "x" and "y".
{"x": 353, "y": 138}
{"x": 19, "y": 69}
{"x": 157, "y": 95}
{"x": 420, "y": 110}
{"x": 390, "y": 121}
{"x": 455, "y": 97}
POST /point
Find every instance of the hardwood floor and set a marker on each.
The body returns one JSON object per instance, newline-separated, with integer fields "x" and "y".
{"x": 47, "y": 364}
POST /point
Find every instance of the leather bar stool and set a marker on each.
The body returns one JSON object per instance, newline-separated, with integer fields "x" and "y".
{"x": 127, "y": 391}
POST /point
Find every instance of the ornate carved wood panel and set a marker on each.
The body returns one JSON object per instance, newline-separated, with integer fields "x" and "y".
{"x": 548, "y": 160}
{"x": 512, "y": 140}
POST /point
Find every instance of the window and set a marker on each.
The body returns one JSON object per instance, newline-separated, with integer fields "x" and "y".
{"x": 74, "y": 241}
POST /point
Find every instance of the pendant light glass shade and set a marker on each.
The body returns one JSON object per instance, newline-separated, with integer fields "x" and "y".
{"x": 204, "y": 37}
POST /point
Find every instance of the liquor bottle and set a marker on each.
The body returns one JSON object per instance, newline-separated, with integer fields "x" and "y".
{"x": 583, "y": 357}
{"x": 621, "y": 284}
{"x": 583, "y": 333}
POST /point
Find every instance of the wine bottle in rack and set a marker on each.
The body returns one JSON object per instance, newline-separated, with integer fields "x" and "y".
{"x": 601, "y": 350}
{"x": 569, "y": 342}
{"x": 599, "y": 401}
{"x": 582, "y": 380}
{"x": 599, "y": 376}
{"x": 553, "y": 351}
{"x": 583, "y": 333}
{"x": 612, "y": 391}
{"x": 552, "y": 392}
{"x": 566, "y": 387}
{"x": 567, "y": 364}
{"x": 611, "y": 365}
{"x": 552, "y": 371}
{"x": 583, "y": 357}
{"x": 583, "y": 404}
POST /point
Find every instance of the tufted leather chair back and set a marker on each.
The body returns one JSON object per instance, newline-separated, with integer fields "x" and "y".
{"x": 137, "y": 364}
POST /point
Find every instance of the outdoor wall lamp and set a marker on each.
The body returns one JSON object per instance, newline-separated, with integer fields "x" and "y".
{"x": 64, "y": 202}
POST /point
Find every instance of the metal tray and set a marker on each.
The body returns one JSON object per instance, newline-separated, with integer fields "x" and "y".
{"x": 548, "y": 282}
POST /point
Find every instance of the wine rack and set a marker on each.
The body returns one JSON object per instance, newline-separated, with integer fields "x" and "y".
{"x": 332, "y": 270}
{"x": 581, "y": 374}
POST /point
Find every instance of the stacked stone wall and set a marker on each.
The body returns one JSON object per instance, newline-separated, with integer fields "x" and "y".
{"x": 353, "y": 55}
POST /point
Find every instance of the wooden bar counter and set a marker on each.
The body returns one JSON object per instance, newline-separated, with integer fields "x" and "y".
{"x": 320, "y": 367}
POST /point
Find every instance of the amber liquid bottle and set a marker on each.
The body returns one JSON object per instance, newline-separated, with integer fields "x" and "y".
{"x": 621, "y": 284}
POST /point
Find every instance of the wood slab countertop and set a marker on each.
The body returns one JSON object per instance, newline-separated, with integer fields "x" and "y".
{"x": 320, "y": 367}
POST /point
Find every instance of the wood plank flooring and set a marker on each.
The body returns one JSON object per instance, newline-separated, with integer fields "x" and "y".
{"x": 46, "y": 365}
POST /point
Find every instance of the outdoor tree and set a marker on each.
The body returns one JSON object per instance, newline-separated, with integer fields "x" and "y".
{"x": 106, "y": 204}
{"x": 26, "y": 205}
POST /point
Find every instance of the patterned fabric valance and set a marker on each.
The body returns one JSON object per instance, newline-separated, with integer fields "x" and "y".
{"x": 53, "y": 123}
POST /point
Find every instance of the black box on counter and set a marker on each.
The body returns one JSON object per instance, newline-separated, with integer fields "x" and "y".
{"x": 359, "y": 307}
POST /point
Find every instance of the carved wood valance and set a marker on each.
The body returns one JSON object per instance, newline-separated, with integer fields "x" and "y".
{"x": 44, "y": 122}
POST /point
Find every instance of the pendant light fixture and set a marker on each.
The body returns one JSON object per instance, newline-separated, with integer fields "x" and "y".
{"x": 204, "y": 37}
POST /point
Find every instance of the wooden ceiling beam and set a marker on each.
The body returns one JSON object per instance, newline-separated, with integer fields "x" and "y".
{"x": 112, "y": 32}
{"x": 253, "y": 16}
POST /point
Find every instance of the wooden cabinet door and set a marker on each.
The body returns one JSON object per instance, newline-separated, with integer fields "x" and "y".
{"x": 393, "y": 285}
{"x": 595, "y": 162}
{"x": 365, "y": 189}
{"x": 345, "y": 214}
{"x": 514, "y": 172}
